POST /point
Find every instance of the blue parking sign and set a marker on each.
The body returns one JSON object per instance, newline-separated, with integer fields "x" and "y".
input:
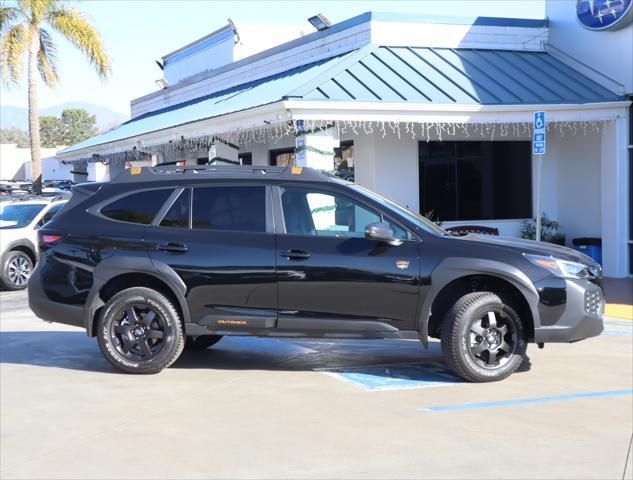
{"x": 538, "y": 140}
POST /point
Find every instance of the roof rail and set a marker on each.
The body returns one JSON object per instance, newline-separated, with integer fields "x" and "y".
{"x": 50, "y": 197}
{"x": 239, "y": 169}
{"x": 140, "y": 174}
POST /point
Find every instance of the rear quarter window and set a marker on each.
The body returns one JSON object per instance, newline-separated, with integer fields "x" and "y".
{"x": 139, "y": 207}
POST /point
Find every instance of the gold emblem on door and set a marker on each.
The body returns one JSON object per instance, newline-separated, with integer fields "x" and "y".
{"x": 232, "y": 323}
{"x": 402, "y": 264}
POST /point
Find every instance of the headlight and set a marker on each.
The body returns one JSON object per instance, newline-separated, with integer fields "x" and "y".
{"x": 561, "y": 268}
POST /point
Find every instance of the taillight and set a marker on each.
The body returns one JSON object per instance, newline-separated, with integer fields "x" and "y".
{"x": 48, "y": 239}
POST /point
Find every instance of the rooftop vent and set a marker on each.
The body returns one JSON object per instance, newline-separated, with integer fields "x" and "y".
{"x": 320, "y": 22}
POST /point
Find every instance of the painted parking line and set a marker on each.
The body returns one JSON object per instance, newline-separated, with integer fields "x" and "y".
{"x": 618, "y": 322}
{"x": 395, "y": 377}
{"x": 607, "y": 333}
{"x": 524, "y": 401}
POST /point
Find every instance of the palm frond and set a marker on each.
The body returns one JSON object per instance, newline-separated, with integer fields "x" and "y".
{"x": 7, "y": 15}
{"x": 80, "y": 32}
{"x": 47, "y": 59}
{"x": 35, "y": 10}
{"x": 13, "y": 45}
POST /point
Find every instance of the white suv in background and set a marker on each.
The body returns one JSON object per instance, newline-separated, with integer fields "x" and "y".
{"x": 19, "y": 221}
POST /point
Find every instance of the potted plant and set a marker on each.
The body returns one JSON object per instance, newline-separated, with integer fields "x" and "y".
{"x": 549, "y": 230}
{"x": 430, "y": 215}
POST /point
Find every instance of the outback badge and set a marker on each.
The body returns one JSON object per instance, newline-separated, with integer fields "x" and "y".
{"x": 402, "y": 264}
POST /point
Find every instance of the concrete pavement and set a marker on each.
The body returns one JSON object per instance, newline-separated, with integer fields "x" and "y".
{"x": 265, "y": 408}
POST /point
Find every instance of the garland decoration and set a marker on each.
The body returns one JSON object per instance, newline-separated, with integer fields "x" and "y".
{"x": 310, "y": 148}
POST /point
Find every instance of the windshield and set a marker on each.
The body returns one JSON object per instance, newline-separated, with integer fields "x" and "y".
{"x": 410, "y": 215}
{"x": 17, "y": 215}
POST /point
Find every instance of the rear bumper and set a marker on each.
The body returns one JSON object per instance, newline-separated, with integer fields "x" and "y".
{"x": 581, "y": 317}
{"x": 49, "y": 310}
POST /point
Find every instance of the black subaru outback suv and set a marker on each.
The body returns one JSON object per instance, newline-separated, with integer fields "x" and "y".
{"x": 166, "y": 258}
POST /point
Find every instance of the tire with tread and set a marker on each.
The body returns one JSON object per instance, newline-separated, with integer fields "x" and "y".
{"x": 5, "y": 281}
{"x": 174, "y": 332}
{"x": 455, "y": 335}
{"x": 202, "y": 342}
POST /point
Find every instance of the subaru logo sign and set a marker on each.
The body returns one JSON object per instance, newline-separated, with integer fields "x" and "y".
{"x": 604, "y": 14}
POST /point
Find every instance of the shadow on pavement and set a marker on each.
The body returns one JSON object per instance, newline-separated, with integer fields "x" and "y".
{"x": 70, "y": 350}
{"x": 73, "y": 350}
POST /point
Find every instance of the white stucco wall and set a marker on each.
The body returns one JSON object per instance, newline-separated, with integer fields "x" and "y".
{"x": 578, "y": 184}
{"x": 15, "y": 163}
{"x": 615, "y": 201}
{"x": 97, "y": 172}
{"x": 389, "y": 166}
{"x": 53, "y": 169}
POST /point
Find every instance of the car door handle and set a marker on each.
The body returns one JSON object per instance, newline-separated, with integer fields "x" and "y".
{"x": 295, "y": 254}
{"x": 173, "y": 247}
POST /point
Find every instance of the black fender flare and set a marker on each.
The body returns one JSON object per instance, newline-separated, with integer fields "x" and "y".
{"x": 453, "y": 268}
{"x": 120, "y": 265}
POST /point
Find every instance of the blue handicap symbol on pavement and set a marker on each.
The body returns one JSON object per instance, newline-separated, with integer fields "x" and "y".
{"x": 395, "y": 377}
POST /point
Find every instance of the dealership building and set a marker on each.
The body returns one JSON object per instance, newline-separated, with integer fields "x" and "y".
{"x": 436, "y": 113}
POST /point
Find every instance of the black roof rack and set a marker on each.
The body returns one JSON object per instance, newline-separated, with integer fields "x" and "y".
{"x": 142, "y": 174}
{"x": 45, "y": 197}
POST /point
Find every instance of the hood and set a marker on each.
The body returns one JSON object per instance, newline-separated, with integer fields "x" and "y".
{"x": 521, "y": 245}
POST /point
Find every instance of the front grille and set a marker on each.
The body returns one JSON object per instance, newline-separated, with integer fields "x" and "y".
{"x": 593, "y": 302}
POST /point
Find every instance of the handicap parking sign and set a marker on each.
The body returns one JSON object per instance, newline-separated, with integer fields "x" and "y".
{"x": 538, "y": 140}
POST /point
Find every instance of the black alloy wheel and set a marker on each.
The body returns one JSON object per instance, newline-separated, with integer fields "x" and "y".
{"x": 140, "y": 331}
{"x": 493, "y": 339}
{"x": 483, "y": 338}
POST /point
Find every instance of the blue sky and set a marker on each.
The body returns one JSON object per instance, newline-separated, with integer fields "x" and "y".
{"x": 137, "y": 32}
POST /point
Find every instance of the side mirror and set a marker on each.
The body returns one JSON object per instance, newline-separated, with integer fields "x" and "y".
{"x": 381, "y": 232}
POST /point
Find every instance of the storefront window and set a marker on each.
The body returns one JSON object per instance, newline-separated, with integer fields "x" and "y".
{"x": 476, "y": 180}
{"x": 284, "y": 157}
{"x": 245, "y": 158}
{"x": 344, "y": 160}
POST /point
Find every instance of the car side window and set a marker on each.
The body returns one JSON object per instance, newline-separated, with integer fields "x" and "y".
{"x": 139, "y": 207}
{"x": 178, "y": 214}
{"x": 237, "y": 208}
{"x": 48, "y": 216}
{"x": 308, "y": 212}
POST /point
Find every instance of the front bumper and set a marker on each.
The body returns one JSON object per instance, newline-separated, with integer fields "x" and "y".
{"x": 580, "y": 318}
{"x": 48, "y": 310}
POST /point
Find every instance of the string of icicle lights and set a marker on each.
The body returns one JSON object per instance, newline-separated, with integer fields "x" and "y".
{"x": 421, "y": 131}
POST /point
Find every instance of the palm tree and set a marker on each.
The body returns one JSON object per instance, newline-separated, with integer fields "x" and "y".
{"x": 23, "y": 33}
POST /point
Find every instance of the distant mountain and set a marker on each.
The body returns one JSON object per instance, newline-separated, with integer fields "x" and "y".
{"x": 12, "y": 116}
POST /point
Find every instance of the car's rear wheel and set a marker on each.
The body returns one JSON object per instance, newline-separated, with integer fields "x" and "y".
{"x": 140, "y": 331}
{"x": 202, "y": 342}
{"x": 483, "y": 339}
{"x": 17, "y": 267}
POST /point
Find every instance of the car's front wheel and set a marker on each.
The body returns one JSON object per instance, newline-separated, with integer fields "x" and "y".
{"x": 139, "y": 331}
{"x": 483, "y": 339}
{"x": 17, "y": 267}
